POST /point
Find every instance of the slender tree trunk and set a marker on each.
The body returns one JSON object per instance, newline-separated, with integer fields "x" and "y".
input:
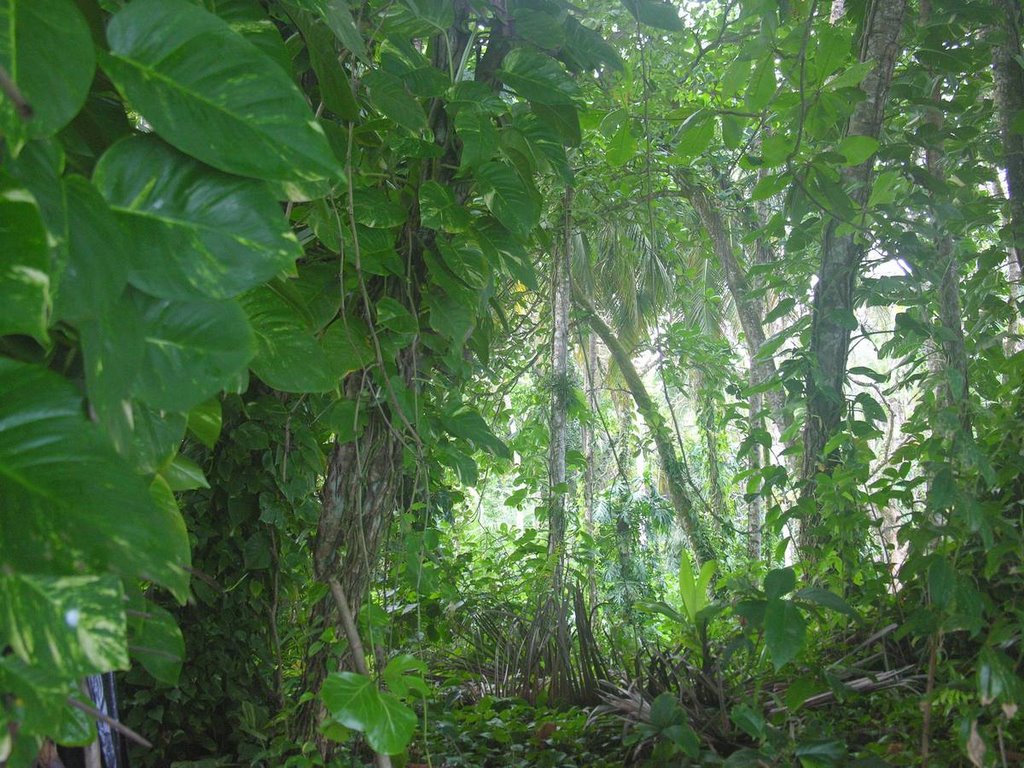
{"x": 672, "y": 467}
{"x": 1009, "y": 101}
{"x": 589, "y": 451}
{"x": 748, "y": 308}
{"x": 947, "y": 280}
{"x": 558, "y": 422}
{"x": 755, "y": 515}
{"x": 710, "y": 434}
{"x": 556, "y": 605}
{"x": 842, "y": 253}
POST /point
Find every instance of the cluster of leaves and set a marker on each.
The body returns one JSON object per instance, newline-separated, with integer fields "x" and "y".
{"x": 149, "y": 266}
{"x": 510, "y": 732}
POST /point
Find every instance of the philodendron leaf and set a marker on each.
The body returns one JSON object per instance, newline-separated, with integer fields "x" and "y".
{"x": 779, "y": 582}
{"x": 466, "y": 423}
{"x": 24, "y": 265}
{"x": 155, "y": 641}
{"x": 337, "y": 16}
{"x": 68, "y": 495}
{"x": 195, "y": 232}
{"x": 538, "y": 78}
{"x": 439, "y": 210}
{"x": 97, "y": 255}
{"x": 192, "y": 350}
{"x": 655, "y": 13}
{"x": 785, "y": 630}
{"x": 204, "y": 421}
{"x": 290, "y": 356}
{"x": 214, "y": 95}
{"x": 479, "y": 136}
{"x": 54, "y": 87}
{"x": 508, "y": 197}
{"x": 356, "y": 702}
{"x": 404, "y": 673}
{"x": 388, "y": 95}
{"x": 183, "y": 474}
{"x": 42, "y": 695}
{"x": 72, "y": 624}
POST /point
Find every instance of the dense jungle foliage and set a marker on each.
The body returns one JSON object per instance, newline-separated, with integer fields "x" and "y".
{"x": 513, "y": 382}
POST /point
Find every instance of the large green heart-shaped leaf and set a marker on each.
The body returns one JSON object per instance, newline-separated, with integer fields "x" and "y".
{"x": 478, "y": 134}
{"x": 112, "y": 347}
{"x": 156, "y": 437}
{"x": 509, "y": 198}
{"x": 468, "y": 424}
{"x": 197, "y": 233}
{"x": 72, "y": 624}
{"x": 389, "y": 97}
{"x": 785, "y": 629}
{"x": 46, "y": 49}
{"x": 501, "y": 246}
{"x": 289, "y": 355}
{"x": 249, "y": 19}
{"x": 155, "y": 642}
{"x": 355, "y": 701}
{"x": 212, "y": 94}
{"x": 655, "y": 13}
{"x": 68, "y": 495}
{"x": 192, "y": 350}
{"x": 439, "y": 210}
{"x": 537, "y": 77}
{"x": 97, "y": 257}
{"x": 337, "y": 16}
{"x": 24, "y": 265}
{"x": 41, "y": 696}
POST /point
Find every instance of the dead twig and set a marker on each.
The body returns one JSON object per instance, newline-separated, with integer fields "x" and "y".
{"x": 117, "y": 725}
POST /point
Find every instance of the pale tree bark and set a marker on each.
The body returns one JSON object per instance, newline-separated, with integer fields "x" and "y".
{"x": 841, "y": 257}
{"x": 1008, "y": 76}
{"x": 671, "y": 465}
{"x": 748, "y": 307}
{"x": 589, "y": 451}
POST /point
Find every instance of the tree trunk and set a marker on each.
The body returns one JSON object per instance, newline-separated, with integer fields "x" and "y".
{"x": 358, "y": 498}
{"x": 1008, "y": 76}
{"x": 842, "y": 253}
{"x": 748, "y": 308}
{"x": 589, "y": 444}
{"x": 946, "y": 280}
{"x": 710, "y": 433}
{"x": 675, "y": 474}
{"x": 755, "y": 515}
{"x": 364, "y": 477}
{"x": 561, "y": 684}
{"x": 558, "y": 423}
